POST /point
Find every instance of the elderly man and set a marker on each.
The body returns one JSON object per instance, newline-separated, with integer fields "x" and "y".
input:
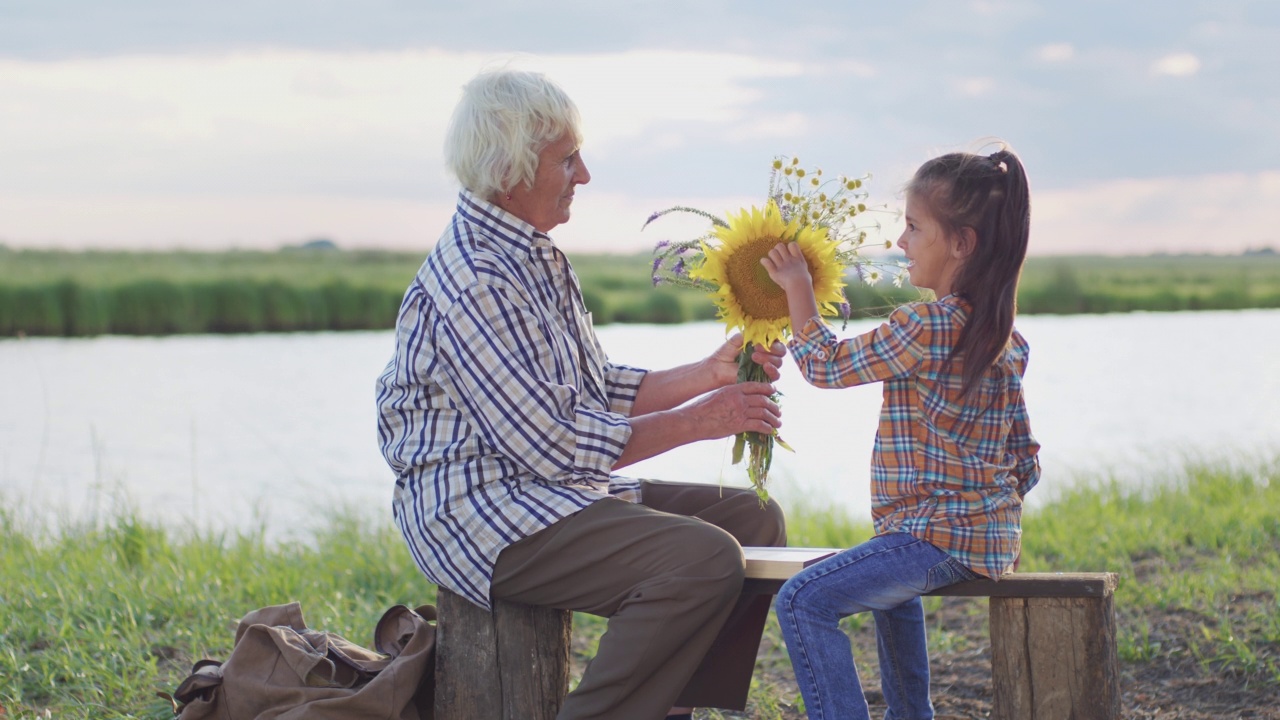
{"x": 504, "y": 422}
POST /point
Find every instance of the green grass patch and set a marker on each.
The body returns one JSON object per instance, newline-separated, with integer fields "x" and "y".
{"x": 54, "y": 293}
{"x": 96, "y": 617}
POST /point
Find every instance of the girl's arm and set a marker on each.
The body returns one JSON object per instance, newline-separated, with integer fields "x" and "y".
{"x": 1021, "y": 444}
{"x": 1026, "y": 449}
{"x": 892, "y": 350}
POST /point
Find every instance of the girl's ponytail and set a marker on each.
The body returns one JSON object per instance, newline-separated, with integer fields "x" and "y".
{"x": 990, "y": 196}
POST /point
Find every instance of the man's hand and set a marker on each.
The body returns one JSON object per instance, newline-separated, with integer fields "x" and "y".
{"x": 736, "y": 408}
{"x": 723, "y": 363}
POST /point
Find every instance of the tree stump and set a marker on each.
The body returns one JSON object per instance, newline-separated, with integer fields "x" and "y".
{"x": 508, "y": 664}
{"x": 1054, "y": 657}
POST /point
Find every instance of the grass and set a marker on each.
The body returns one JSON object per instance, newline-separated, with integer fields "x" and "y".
{"x": 56, "y": 293}
{"x": 97, "y": 616}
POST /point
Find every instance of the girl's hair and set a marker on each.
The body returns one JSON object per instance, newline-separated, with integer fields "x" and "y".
{"x": 988, "y": 195}
{"x": 502, "y": 122}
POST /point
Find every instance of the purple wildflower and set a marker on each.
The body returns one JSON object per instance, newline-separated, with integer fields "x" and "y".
{"x": 652, "y": 218}
{"x": 679, "y": 268}
{"x": 661, "y": 244}
{"x": 657, "y": 262}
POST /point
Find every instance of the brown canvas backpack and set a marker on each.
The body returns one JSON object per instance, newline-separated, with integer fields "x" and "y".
{"x": 281, "y": 670}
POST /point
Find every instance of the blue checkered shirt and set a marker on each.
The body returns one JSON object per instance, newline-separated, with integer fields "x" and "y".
{"x": 498, "y": 412}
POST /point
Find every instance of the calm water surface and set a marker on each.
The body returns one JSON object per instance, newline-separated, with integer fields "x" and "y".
{"x": 273, "y": 430}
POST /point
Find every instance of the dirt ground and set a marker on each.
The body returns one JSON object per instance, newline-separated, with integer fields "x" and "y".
{"x": 1173, "y": 686}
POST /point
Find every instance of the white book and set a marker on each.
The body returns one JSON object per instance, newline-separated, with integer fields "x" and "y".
{"x": 780, "y": 563}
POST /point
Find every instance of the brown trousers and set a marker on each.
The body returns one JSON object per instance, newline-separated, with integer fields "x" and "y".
{"x": 668, "y": 574}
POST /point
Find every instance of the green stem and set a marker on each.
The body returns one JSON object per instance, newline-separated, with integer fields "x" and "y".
{"x": 759, "y": 446}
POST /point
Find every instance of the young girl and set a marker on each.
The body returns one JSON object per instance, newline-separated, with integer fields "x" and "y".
{"x": 953, "y": 454}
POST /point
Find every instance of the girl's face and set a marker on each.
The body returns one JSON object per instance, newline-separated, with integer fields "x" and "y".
{"x": 933, "y": 260}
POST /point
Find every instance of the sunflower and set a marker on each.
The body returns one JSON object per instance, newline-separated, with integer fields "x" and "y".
{"x": 745, "y": 296}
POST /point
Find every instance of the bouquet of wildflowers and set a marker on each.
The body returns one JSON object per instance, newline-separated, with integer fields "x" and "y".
{"x": 825, "y": 216}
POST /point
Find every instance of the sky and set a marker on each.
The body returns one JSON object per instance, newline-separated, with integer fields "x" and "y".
{"x": 1144, "y": 126}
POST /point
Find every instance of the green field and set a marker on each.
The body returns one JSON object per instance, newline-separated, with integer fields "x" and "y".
{"x": 97, "y": 616}
{"x": 54, "y": 293}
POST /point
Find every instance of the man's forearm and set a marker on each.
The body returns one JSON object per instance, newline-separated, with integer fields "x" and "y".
{"x": 655, "y": 433}
{"x": 665, "y": 389}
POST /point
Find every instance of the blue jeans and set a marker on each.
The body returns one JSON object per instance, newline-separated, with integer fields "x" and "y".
{"x": 886, "y": 575}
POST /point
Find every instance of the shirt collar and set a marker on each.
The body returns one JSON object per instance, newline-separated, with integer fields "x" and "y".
{"x": 956, "y": 301}
{"x": 510, "y": 231}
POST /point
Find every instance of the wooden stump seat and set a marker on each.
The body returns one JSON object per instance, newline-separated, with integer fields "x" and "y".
{"x": 1053, "y": 646}
{"x": 508, "y": 664}
{"x": 1053, "y": 635}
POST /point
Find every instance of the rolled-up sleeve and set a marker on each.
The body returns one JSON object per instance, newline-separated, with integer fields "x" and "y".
{"x": 621, "y": 383}
{"x": 892, "y": 350}
{"x": 498, "y": 360}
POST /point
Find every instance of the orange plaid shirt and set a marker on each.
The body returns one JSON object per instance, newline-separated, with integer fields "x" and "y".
{"x": 949, "y": 471}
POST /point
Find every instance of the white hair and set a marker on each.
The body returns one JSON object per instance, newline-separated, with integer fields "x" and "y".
{"x": 504, "y": 119}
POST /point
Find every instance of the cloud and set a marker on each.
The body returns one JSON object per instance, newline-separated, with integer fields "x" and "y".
{"x": 974, "y": 87}
{"x": 845, "y": 66}
{"x": 259, "y": 120}
{"x": 1176, "y": 65}
{"x": 271, "y": 146}
{"x": 624, "y": 96}
{"x": 1056, "y": 52}
{"x": 217, "y": 221}
{"x": 783, "y": 125}
{"x": 1214, "y": 213}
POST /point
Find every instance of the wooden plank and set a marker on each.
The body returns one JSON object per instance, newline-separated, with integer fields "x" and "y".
{"x": 1061, "y": 585}
{"x": 1013, "y": 585}
{"x": 780, "y": 563}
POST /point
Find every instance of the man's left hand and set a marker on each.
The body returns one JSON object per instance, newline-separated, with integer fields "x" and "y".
{"x": 724, "y": 361}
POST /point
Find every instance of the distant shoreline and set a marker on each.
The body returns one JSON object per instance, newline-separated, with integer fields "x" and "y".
{"x": 77, "y": 294}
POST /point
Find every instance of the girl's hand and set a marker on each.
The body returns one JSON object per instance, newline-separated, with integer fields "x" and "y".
{"x": 724, "y": 361}
{"x": 786, "y": 266}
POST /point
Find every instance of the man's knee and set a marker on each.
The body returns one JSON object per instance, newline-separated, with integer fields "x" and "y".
{"x": 712, "y": 559}
{"x": 754, "y": 524}
{"x": 773, "y": 528}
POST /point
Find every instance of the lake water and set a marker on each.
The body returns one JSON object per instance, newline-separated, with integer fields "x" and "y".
{"x": 269, "y": 430}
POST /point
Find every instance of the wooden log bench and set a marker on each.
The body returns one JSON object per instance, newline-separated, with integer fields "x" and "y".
{"x": 1053, "y": 646}
{"x": 1053, "y": 635}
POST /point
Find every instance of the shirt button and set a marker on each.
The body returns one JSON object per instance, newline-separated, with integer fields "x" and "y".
{"x": 821, "y": 354}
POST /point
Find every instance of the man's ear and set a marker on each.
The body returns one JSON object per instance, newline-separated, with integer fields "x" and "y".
{"x": 964, "y": 243}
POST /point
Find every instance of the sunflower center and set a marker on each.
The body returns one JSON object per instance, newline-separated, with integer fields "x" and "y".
{"x": 759, "y": 296}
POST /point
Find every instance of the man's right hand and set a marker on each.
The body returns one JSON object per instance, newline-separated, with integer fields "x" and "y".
{"x": 736, "y": 408}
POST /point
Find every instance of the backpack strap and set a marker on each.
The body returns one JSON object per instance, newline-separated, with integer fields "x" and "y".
{"x": 205, "y": 677}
